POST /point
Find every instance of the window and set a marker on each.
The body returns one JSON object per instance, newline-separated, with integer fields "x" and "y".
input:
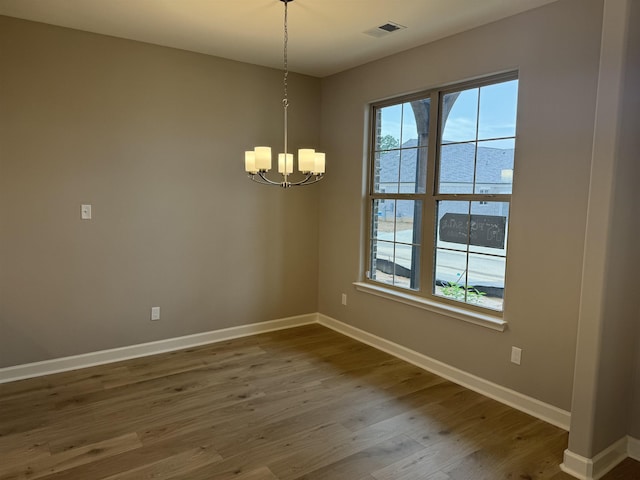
{"x": 440, "y": 192}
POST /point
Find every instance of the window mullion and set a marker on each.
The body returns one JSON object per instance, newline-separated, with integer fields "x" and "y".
{"x": 369, "y": 237}
{"x": 475, "y": 197}
{"x": 429, "y": 207}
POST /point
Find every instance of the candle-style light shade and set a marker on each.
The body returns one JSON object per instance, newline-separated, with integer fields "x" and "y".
{"x": 319, "y": 163}
{"x": 263, "y": 158}
{"x": 306, "y": 159}
{"x": 250, "y": 162}
{"x": 288, "y": 163}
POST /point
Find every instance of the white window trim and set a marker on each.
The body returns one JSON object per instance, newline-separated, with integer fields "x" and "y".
{"x": 476, "y": 318}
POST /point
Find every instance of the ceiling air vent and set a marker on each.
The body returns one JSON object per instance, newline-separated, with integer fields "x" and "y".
{"x": 384, "y": 30}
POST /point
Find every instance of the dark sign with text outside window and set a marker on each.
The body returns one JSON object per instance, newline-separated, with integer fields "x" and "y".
{"x": 484, "y": 231}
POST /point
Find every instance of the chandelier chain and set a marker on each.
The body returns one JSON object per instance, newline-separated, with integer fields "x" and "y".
{"x": 285, "y": 100}
{"x": 285, "y": 59}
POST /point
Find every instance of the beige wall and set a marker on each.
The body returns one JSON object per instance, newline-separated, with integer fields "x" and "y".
{"x": 153, "y": 138}
{"x": 630, "y": 149}
{"x": 632, "y": 126}
{"x": 621, "y": 329}
{"x": 634, "y": 422}
{"x": 557, "y": 54}
{"x": 608, "y": 329}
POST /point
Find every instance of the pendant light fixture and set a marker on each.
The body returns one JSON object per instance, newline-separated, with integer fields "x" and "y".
{"x": 257, "y": 162}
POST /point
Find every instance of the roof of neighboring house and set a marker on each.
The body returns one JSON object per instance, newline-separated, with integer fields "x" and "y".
{"x": 456, "y": 163}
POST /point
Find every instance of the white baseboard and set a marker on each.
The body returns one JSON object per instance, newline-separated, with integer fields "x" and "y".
{"x": 577, "y": 466}
{"x": 57, "y": 365}
{"x": 633, "y": 448}
{"x": 543, "y": 411}
{"x": 594, "y": 468}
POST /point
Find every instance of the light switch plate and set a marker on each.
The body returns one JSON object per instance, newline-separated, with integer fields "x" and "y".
{"x": 516, "y": 355}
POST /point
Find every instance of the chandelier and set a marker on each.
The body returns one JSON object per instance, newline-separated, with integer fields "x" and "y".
{"x": 257, "y": 162}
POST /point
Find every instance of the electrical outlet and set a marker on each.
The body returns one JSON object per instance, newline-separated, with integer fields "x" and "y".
{"x": 155, "y": 313}
{"x": 85, "y": 212}
{"x": 344, "y": 299}
{"x": 516, "y": 355}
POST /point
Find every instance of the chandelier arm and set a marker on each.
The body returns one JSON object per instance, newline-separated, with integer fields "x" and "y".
{"x": 261, "y": 178}
{"x": 308, "y": 180}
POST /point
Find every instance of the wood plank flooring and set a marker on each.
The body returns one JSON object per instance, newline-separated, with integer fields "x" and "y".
{"x": 303, "y": 403}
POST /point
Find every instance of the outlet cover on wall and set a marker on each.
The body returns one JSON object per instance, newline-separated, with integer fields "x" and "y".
{"x": 155, "y": 313}
{"x": 85, "y": 212}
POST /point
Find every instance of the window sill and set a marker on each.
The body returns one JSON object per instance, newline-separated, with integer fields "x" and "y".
{"x": 488, "y": 321}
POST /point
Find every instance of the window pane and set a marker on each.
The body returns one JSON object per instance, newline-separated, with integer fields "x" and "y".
{"x": 382, "y": 225}
{"x": 486, "y": 280}
{"x": 400, "y": 156}
{"x": 388, "y": 126}
{"x": 408, "y": 221}
{"x": 409, "y": 127}
{"x": 498, "y": 104}
{"x": 395, "y": 242}
{"x": 386, "y": 174}
{"x": 471, "y": 252}
{"x": 453, "y": 225}
{"x": 450, "y": 274}
{"x": 382, "y": 261}
{"x": 489, "y": 227}
{"x": 413, "y": 173}
{"x": 395, "y": 264}
{"x": 456, "y": 168}
{"x": 494, "y": 166}
{"x": 488, "y": 250}
{"x": 406, "y": 266}
{"x": 459, "y": 116}
{"x": 408, "y": 230}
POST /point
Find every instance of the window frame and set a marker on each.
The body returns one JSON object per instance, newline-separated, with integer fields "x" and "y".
{"x": 424, "y": 295}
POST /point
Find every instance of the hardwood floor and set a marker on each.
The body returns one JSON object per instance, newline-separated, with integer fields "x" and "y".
{"x": 304, "y": 403}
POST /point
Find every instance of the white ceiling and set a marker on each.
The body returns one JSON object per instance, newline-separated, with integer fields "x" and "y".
{"x": 325, "y": 36}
